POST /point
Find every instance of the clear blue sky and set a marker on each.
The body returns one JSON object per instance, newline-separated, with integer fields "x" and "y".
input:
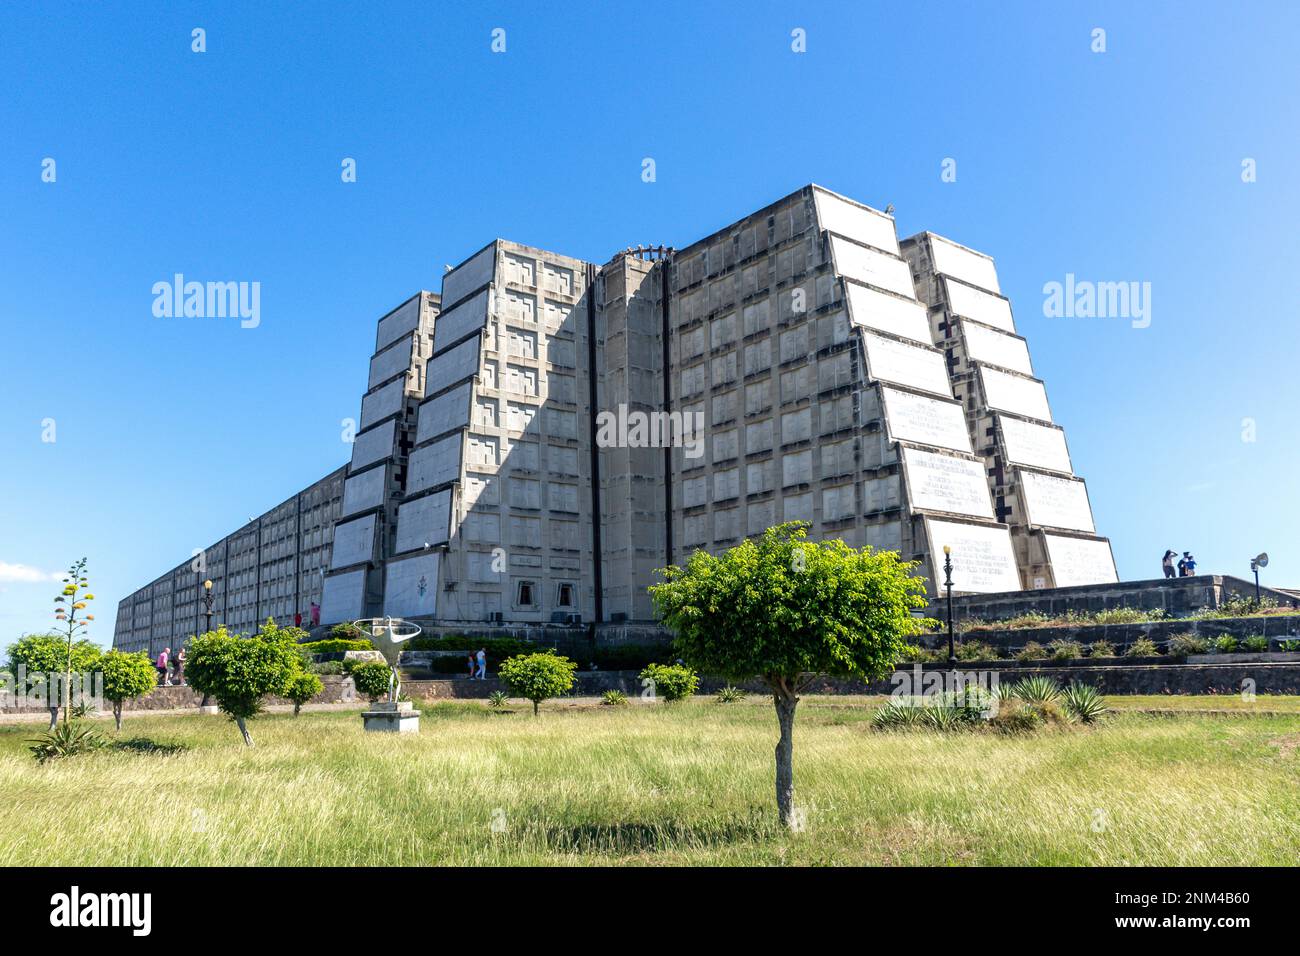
{"x": 1118, "y": 166}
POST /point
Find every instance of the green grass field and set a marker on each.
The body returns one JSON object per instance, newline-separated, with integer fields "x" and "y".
{"x": 645, "y": 784}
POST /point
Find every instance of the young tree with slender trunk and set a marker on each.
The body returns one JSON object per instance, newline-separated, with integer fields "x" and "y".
{"x": 126, "y": 676}
{"x": 787, "y": 610}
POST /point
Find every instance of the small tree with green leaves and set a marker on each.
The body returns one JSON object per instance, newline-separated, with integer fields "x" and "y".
{"x": 538, "y": 677}
{"x": 237, "y": 672}
{"x": 786, "y": 610}
{"x": 44, "y": 654}
{"x": 126, "y": 676}
{"x": 672, "y": 682}
{"x": 372, "y": 679}
{"x": 303, "y": 687}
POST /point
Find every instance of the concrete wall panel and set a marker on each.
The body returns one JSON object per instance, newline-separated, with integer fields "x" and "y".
{"x": 470, "y": 316}
{"x": 354, "y": 542}
{"x": 411, "y": 586}
{"x": 1011, "y": 393}
{"x": 382, "y": 402}
{"x": 889, "y": 360}
{"x": 452, "y": 366}
{"x": 928, "y": 421}
{"x": 965, "y": 264}
{"x": 982, "y": 557}
{"x": 980, "y": 305}
{"x": 1080, "y": 561}
{"x": 474, "y": 272}
{"x": 838, "y": 215}
{"x": 872, "y": 267}
{"x": 424, "y": 521}
{"x": 442, "y": 414}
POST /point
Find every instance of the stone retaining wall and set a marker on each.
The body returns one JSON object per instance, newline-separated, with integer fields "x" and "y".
{"x": 1276, "y": 627}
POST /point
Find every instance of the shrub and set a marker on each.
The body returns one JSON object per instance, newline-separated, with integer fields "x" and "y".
{"x": 67, "y": 739}
{"x": 303, "y": 687}
{"x": 327, "y": 667}
{"x": 498, "y": 699}
{"x": 976, "y": 651}
{"x": 914, "y": 654}
{"x": 1224, "y": 644}
{"x": 1181, "y": 645}
{"x": 670, "y": 681}
{"x": 1063, "y": 650}
{"x": 730, "y": 695}
{"x": 497, "y": 648}
{"x": 1290, "y": 646}
{"x": 348, "y": 631}
{"x": 1016, "y": 717}
{"x": 126, "y": 676}
{"x": 897, "y": 715}
{"x": 1256, "y": 643}
{"x": 1028, "y": 619}
{"x": 1143, "y": 647}
{"x": 1033, "y": 651}
{"x": 238, "y": 671}
{"x": 371, "y": 678}
{"x": 1102, "y": 648}
{"x": 337, "y": 645}
{"x": 1126, "y": 615}
{"x": 1084, "y": 702}
{"x": 538, "y": 677}
{"x": 47, "y": 654}
{"x": 613, "y": 698}
{"x": 1036, "y": 689}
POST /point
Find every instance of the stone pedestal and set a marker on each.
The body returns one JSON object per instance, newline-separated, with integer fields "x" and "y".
{"x": 401, "y": 717}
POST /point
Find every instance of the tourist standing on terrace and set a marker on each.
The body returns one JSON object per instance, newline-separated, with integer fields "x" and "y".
{"x": 1167, "y": 562}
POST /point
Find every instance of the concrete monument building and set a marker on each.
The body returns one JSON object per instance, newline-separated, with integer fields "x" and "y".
{"x": 543, "y": 434}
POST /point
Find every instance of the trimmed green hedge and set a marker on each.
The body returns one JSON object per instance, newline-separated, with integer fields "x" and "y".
{"x": 496, "y": 647}
{"x": 335, "y": 645}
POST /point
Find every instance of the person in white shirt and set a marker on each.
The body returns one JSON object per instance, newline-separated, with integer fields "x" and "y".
{"x": 482, "y": 663}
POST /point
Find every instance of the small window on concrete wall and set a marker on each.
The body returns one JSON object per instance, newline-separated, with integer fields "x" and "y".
{"x": 564, "y": 595}
{"x": 524, "y": 597}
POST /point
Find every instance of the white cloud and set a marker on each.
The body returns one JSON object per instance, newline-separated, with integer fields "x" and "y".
{"x": 26, "y": 574}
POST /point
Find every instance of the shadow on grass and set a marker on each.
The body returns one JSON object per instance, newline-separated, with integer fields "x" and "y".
{"x": 624, "y": 838}
{"x": 143, "y": 745}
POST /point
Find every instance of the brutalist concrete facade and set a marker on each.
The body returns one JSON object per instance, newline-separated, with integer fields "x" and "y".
{"x": 540, "y": 437}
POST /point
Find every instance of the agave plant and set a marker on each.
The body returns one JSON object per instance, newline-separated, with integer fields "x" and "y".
{"x": 898, "y": 715}
{"x": 1084, "y": 701}
{"x": 1037, "y": 689}
{"x": 613, "y": 698}
{"x": 730, "y": 695}
{"x": 498, "y": 699}
{"x": 943, "y": 718}
{"x": 66, "y": 740}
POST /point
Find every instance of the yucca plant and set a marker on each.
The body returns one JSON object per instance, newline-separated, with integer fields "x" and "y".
{"x": 943, "y": 718}
{"x": 730, "y": 695}
{"x": 898, "y": 715}
{"x": 67, "y": 739}
{"x": 498, "y": 699}
{"x": 1037, "y": 689}
{"x": 613, "y": 698}
{"x": 1084, "y": 701}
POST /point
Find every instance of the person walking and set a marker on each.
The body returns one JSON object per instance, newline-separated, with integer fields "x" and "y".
{"x": 178, "y": 666}
{"x": 470, "y": 662}
{"x": 482, "y": 663}
{"x": 161, "y": 666}
{"x": 1167, "y": 562}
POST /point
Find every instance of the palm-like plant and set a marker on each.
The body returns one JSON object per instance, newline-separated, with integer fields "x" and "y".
{"x": 614, "y": 698}
{"x": 498, "y": 699}
{"x": 1085, "y": 702}
{"x": 1038, "y": 689}
{"x": 730, "y": 695}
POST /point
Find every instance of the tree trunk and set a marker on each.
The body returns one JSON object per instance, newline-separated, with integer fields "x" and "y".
{"x": 243, "y": 729}
{"x": 786, "y": 702}
{"x": 117, "y": 714}
{"x": 534, "y": 708}
{"x": 54, "y": 717}
{"x": 296, "y": 707}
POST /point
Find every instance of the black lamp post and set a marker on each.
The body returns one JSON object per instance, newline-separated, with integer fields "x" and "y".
{"x": 947, "y": 572}
{"x": 1254, "y": 566}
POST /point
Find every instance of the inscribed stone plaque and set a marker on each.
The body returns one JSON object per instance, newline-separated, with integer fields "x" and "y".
{"x": 848, "y": 219}
{"x": 982, "y": 557}
{"x": 1054, "y": 502}
{"x": 997, "y": 348}
{"x": 872, "y": 267}
{"x": 939, "y": 482}
{"x": 888, "y": 313}
{"x": 979, "y": 305}
{"x": 1077, "y": 561}
{"x": 889, "y": 360}
{"x": 925, "y": 420}
{"x": 1028, "y": 443}
{"x": 965, "y": 264}
{"x": 1011, "y": 393}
